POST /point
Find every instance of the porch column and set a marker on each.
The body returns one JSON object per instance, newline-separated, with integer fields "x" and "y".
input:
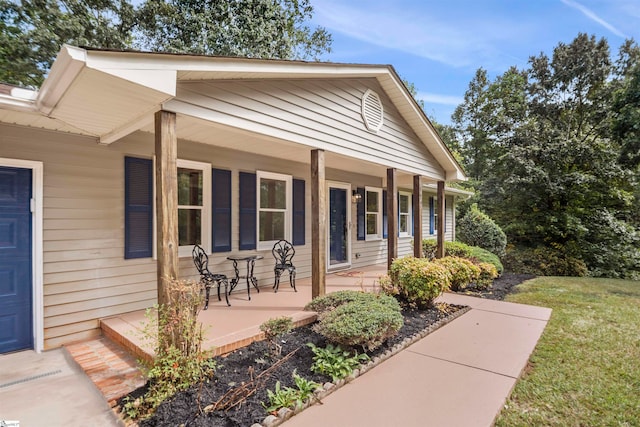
{"x": 441, "y": 214}
{"x": 417, "y": 216}
{"x": 392, "y": 216}
{"x": 166, "y": 200}
{"x": 318, "y": 224}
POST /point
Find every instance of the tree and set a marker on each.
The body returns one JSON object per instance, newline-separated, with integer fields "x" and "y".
{"x": 553, "y": 148}
{"x": 33, "y": 31}
{"x": 255, "y": 29}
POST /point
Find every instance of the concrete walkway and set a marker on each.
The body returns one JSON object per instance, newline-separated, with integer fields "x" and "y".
{"x": 49, "y": 389}
{"x": 459, "y": 375}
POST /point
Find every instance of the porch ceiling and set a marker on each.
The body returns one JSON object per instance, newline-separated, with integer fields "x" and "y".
{"x": 214, "y": 134}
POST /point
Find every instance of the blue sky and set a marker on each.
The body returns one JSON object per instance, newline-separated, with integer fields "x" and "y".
{"x": 438, "y": 45}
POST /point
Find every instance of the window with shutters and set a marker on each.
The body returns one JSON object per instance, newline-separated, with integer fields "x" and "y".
{"x": 404, "y": 214}
{"x": 373, "y": 213}
{"x": 274, "y": 208}
{"x": 194, "y": 206}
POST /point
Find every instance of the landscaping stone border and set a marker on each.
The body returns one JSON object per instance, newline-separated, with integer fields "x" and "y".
{"x": 329, "y": 387}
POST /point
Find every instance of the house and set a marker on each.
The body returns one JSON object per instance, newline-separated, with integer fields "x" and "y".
{"x": 337, "y": 158}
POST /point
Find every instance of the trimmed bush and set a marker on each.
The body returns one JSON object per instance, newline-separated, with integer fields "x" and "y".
{"x": 463, "y": 272}
{"x": 458, "y": 249}
{"x": 476, "y": 228}
{"x": 418, "y": 281}
{"x": 334, "y": 300}
{"x": 479, "y": 255}
{"x": 364, "y": 322}
{"x": 544, "y": 262}
{"x": 488, "y": 272}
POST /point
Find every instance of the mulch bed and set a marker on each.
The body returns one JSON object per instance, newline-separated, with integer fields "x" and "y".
{"x": 244, "y": 365}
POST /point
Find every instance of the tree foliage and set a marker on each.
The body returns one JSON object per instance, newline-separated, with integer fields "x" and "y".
{"x": 554, "y": 151}
{"x": 33, "y": 31}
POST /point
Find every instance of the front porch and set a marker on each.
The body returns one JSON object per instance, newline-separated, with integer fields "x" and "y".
{"x": 229, "y": 328}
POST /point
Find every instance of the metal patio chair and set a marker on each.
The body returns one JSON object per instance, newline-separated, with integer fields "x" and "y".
{"x": 283, "y": 253}
{"x": 207, "y": 278}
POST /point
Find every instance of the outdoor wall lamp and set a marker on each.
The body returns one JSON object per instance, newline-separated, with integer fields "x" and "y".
{"x": 355, "y": 197}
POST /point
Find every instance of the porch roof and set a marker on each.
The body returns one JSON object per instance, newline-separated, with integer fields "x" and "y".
{"x": 110, "y": 94}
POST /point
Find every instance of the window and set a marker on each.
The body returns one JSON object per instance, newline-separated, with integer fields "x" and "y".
{"x": 274, "y": 208}
{"x": 373, "y": 213}
{"x": 404, "y": 214}
{"x": 194, "y": 206}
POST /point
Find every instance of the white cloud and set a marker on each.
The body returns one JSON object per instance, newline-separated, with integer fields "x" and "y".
{"x": 436, "y": 98}
{"x": 436, "y": 35}
{"x": 592, "y": 15}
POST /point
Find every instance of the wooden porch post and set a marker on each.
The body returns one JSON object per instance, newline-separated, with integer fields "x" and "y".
{"x": 318, "y": 224}
{"x": 392, "y": 216}
{"x": 166, "y": 200}
{"x": 417, "y": 216}
{"x": 441, "y": 214}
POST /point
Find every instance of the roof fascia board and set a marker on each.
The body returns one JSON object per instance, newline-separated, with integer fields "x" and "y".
{"x": 68, "y": 64}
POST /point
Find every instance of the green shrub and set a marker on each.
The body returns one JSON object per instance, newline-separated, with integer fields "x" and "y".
{"x": 365, "y": 323}
{"x": 488, "y": 273}
{"x": 418, "y": 281}
{"x": 333, "y": 300}
{"x": 458, "y": 249}
{"x": 479, "y": 255}
{"x": 335, "y": 362}
{"x": 476, "y": 228}
{"x": 543, "y": 262}
{"x": 463, "y": 272}
{"x": 179, "y": 361}
{"x": 274, "y": 328}
{"x": 289, "y": 397}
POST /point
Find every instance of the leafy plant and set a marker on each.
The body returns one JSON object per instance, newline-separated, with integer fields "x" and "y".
{"x": 335, "y": 362}
{"x": 477, "y": 229}
{"x": 419, "y": 281}
{"x": 479, "y": 255}
{"x": 450, "y": 249}
{"x": 289, "y": 397}
{"x": 487, "y": 274}
{"x": 333, "y": 300}
{"x": 179, "y": 361}
{"x": 273, "y": 329}
{"x": 462, "y": 271}
{"x": 367, "y": 322}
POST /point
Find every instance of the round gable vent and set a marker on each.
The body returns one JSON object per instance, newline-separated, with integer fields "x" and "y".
{"x": 372, "y": 112}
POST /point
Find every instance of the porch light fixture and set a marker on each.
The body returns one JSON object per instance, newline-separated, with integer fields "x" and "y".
{"x": 355, "y": 197}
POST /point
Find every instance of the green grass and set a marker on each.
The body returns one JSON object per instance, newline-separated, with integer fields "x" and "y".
{"x": 585, "y": 370}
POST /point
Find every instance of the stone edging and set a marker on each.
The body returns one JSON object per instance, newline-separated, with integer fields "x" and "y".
{"x": 328, "y": 387}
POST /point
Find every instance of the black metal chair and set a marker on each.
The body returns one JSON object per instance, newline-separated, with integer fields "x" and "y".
{"x": 283, "y": 253}
{"x": 207, "y": 278}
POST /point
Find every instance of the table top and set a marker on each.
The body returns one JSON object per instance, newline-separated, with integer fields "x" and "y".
{"x": 244, "y": 257}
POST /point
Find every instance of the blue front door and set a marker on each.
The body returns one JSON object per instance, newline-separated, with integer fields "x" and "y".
{"x": 338, "y": 227}
{"x": 16, "y": 319}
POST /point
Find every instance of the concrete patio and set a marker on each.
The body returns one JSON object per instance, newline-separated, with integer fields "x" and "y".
{"x": 229, "y": 328}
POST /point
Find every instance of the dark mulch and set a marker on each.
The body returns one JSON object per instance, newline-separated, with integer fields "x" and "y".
{"x": 500, "y": 288}
{"x": 241, "y": 366}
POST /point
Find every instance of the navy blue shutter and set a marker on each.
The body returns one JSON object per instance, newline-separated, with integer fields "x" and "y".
{"x": 138, "y": 208}
{"x": 385, "y": 220}
{"x": 412, "y": 218}
{"x": 432, "y": 220}
{"x": 361, "y": 226}
{"x": 247, "y": 210}
{"x": 221, "y": 210}
{"x": 298, "y": 212}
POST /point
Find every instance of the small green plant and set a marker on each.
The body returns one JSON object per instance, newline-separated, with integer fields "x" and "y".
{"x": 328, "y": 302}
{"x": 450, "y": 249}
{"x": 463, "y": 272}
{"x": 418, "y": 281}
{"x": 479, "y": 255}
{"x": 488, "y": 272}
{"x": 335, "y": 362}
{"x": 275, "y": 328}
{"x": 289, "y": 397}
{"x": 179, "y": 361}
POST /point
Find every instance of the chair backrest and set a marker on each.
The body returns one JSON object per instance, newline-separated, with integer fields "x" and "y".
{"x": 283, "y": 252}
{"x": 200, "y": 259}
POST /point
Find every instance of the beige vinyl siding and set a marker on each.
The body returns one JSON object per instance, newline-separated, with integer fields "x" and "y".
{"x": 324, "y": 114}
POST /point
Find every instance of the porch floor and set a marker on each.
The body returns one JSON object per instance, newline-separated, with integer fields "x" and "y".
{"x": 229, "y": 328}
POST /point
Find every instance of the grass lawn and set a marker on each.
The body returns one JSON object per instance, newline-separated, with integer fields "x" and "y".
{"x": 585, "y": 370}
